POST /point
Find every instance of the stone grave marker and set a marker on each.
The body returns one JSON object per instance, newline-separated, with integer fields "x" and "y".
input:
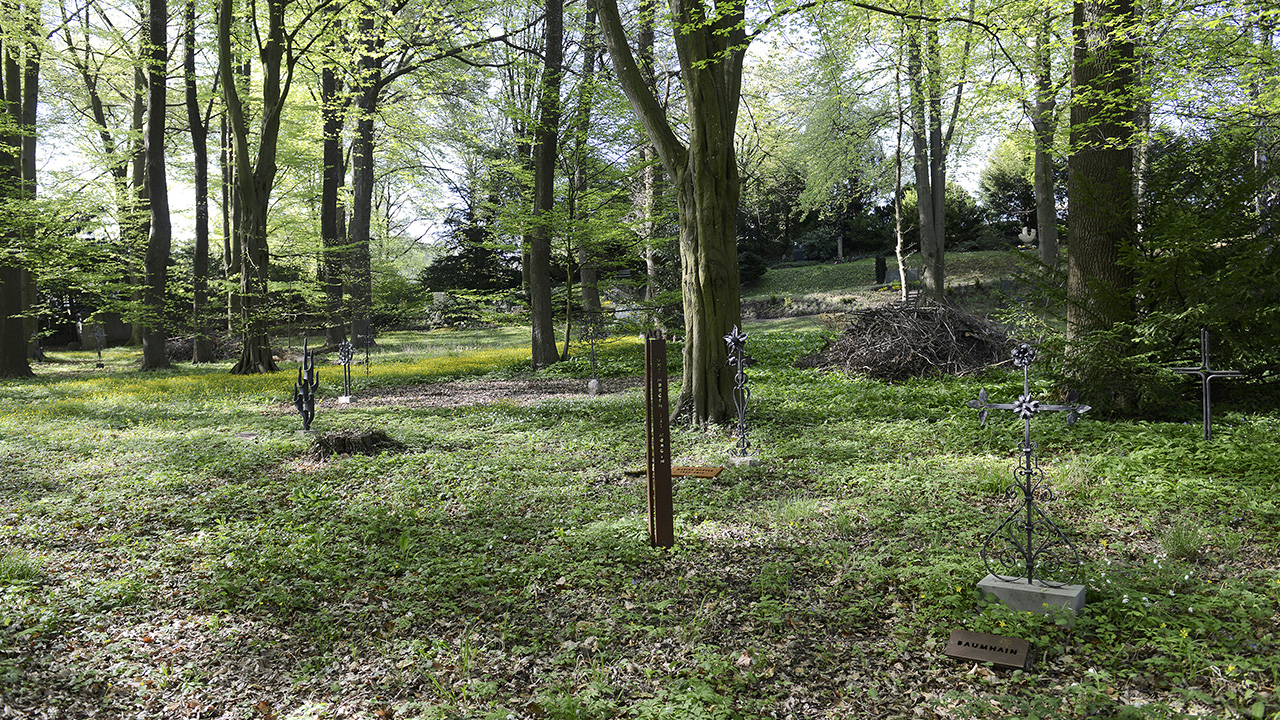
{"x": 658, "y": 441}
{"x": 1206, "y": 374}
{"x": 1031, "y": 564}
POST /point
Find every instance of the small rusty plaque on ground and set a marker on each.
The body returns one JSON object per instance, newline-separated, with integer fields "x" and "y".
{"x": 1003, "y": 651}
{"x": 698, "y": 472}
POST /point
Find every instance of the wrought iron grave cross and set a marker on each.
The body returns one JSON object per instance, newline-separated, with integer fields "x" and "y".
{"x": 346, "y": 353}
{"x": 593, "y": 331}
{"x": 1206, "y": 374}
{"x": 736, "y": 341}
{"x": 1027, "y": 539}
{"x": 304, "y": 390}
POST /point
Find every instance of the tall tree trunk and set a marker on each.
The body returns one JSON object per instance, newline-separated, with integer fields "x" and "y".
{"x": 255, "y": 179}
{"x": 19, "y": 63}
{"x": 930, "y": 243}
{"x": 1100, "y": 177}
{"x": 546, "y": 137}
{"x": 710, "y": 44}
{"x": 202, "y": 348}
{"x": 588, "y": 256}
{"x": 368, "y": 90}
{"x": 650, "y": 165}
{"x": 333, "y": 234}
{"x": 160, "y": 236}
{"x": 139, "y": 221}
{"x": 1043, "y": 123}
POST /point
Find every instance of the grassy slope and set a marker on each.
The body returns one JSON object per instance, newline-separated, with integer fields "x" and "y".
{"x": 854, "y": 277}
{"x": 155, "y": 563}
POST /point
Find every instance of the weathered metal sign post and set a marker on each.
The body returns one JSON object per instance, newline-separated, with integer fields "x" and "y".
{"x": 658, "y": 436}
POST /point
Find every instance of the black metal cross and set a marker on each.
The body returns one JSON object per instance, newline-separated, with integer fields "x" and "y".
{"x": 736, "y": 341}
{"x": 1206, "y": 374}
{"x": 346, "y": 353}
{"x": 593, "y": 331}
{"x": 1027, "y": 537}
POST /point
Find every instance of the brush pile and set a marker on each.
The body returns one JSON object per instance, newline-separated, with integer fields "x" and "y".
{"x": 899, "y": 342}
{"x": 353, "y": 442}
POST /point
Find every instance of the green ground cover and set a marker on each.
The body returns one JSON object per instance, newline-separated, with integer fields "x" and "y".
{"x": 155, "y": 563}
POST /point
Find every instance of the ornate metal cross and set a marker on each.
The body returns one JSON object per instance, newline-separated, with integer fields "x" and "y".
{"x": 346, "y": 353}
{"x": 304, "y": 390}
{"x": 593, "y": 332}
{"x": 1027, "y": 539}
{"x": 736, "y": 341}
{"x": 1206, "y": 374}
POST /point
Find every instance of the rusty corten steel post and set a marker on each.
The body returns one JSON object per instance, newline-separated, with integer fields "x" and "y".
{"x": 658, "y": 434}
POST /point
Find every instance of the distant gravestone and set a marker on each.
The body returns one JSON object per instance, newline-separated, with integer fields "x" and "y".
{"x": 882, "y": 269}
{"x": 892, "y": 275}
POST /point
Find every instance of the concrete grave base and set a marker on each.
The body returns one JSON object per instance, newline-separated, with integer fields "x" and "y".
{"x": 306, "y": 432}
{"x": 1036, "y": 597}
{"x": 593, "y": 387}
{"x": 344, "y": 399}
{"x": 748, "y": 460}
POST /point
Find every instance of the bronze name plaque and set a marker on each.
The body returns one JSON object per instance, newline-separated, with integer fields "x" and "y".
{"x": 1002, "y": 651}
{"x": 698, "y": 472}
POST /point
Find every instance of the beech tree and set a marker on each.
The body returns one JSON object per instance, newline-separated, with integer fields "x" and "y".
{"x": 278, "y": 49}
{"x": 161, "y": 233}
{"x": 19, "y": 80}
{"x": 1100, "y": 192}
{"x": 711, "y": 41}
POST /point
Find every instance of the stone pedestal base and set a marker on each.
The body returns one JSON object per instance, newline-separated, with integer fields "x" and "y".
{"x": 593, "y": 387}
{"x": 306, "y": 432}
{"x": 344, "y": 399}
{"x": 1034, "y": 597}
{"x": 747, "y": 460}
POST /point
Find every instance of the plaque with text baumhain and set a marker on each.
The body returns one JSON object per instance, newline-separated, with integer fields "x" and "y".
{"x": 1002, "y": 651}
{"x": 698, "y": 472}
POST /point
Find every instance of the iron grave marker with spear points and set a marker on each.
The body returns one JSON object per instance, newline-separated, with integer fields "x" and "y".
{"x": 1030, "y": 562}
{"x": 1206, "y": 374}
{"x": 346, "y": 353}
{"x": 304, "y": 390}
{"x": 736, "y": 342}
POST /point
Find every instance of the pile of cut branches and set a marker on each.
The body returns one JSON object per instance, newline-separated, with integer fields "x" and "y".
{"x": 899, "y": 342}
